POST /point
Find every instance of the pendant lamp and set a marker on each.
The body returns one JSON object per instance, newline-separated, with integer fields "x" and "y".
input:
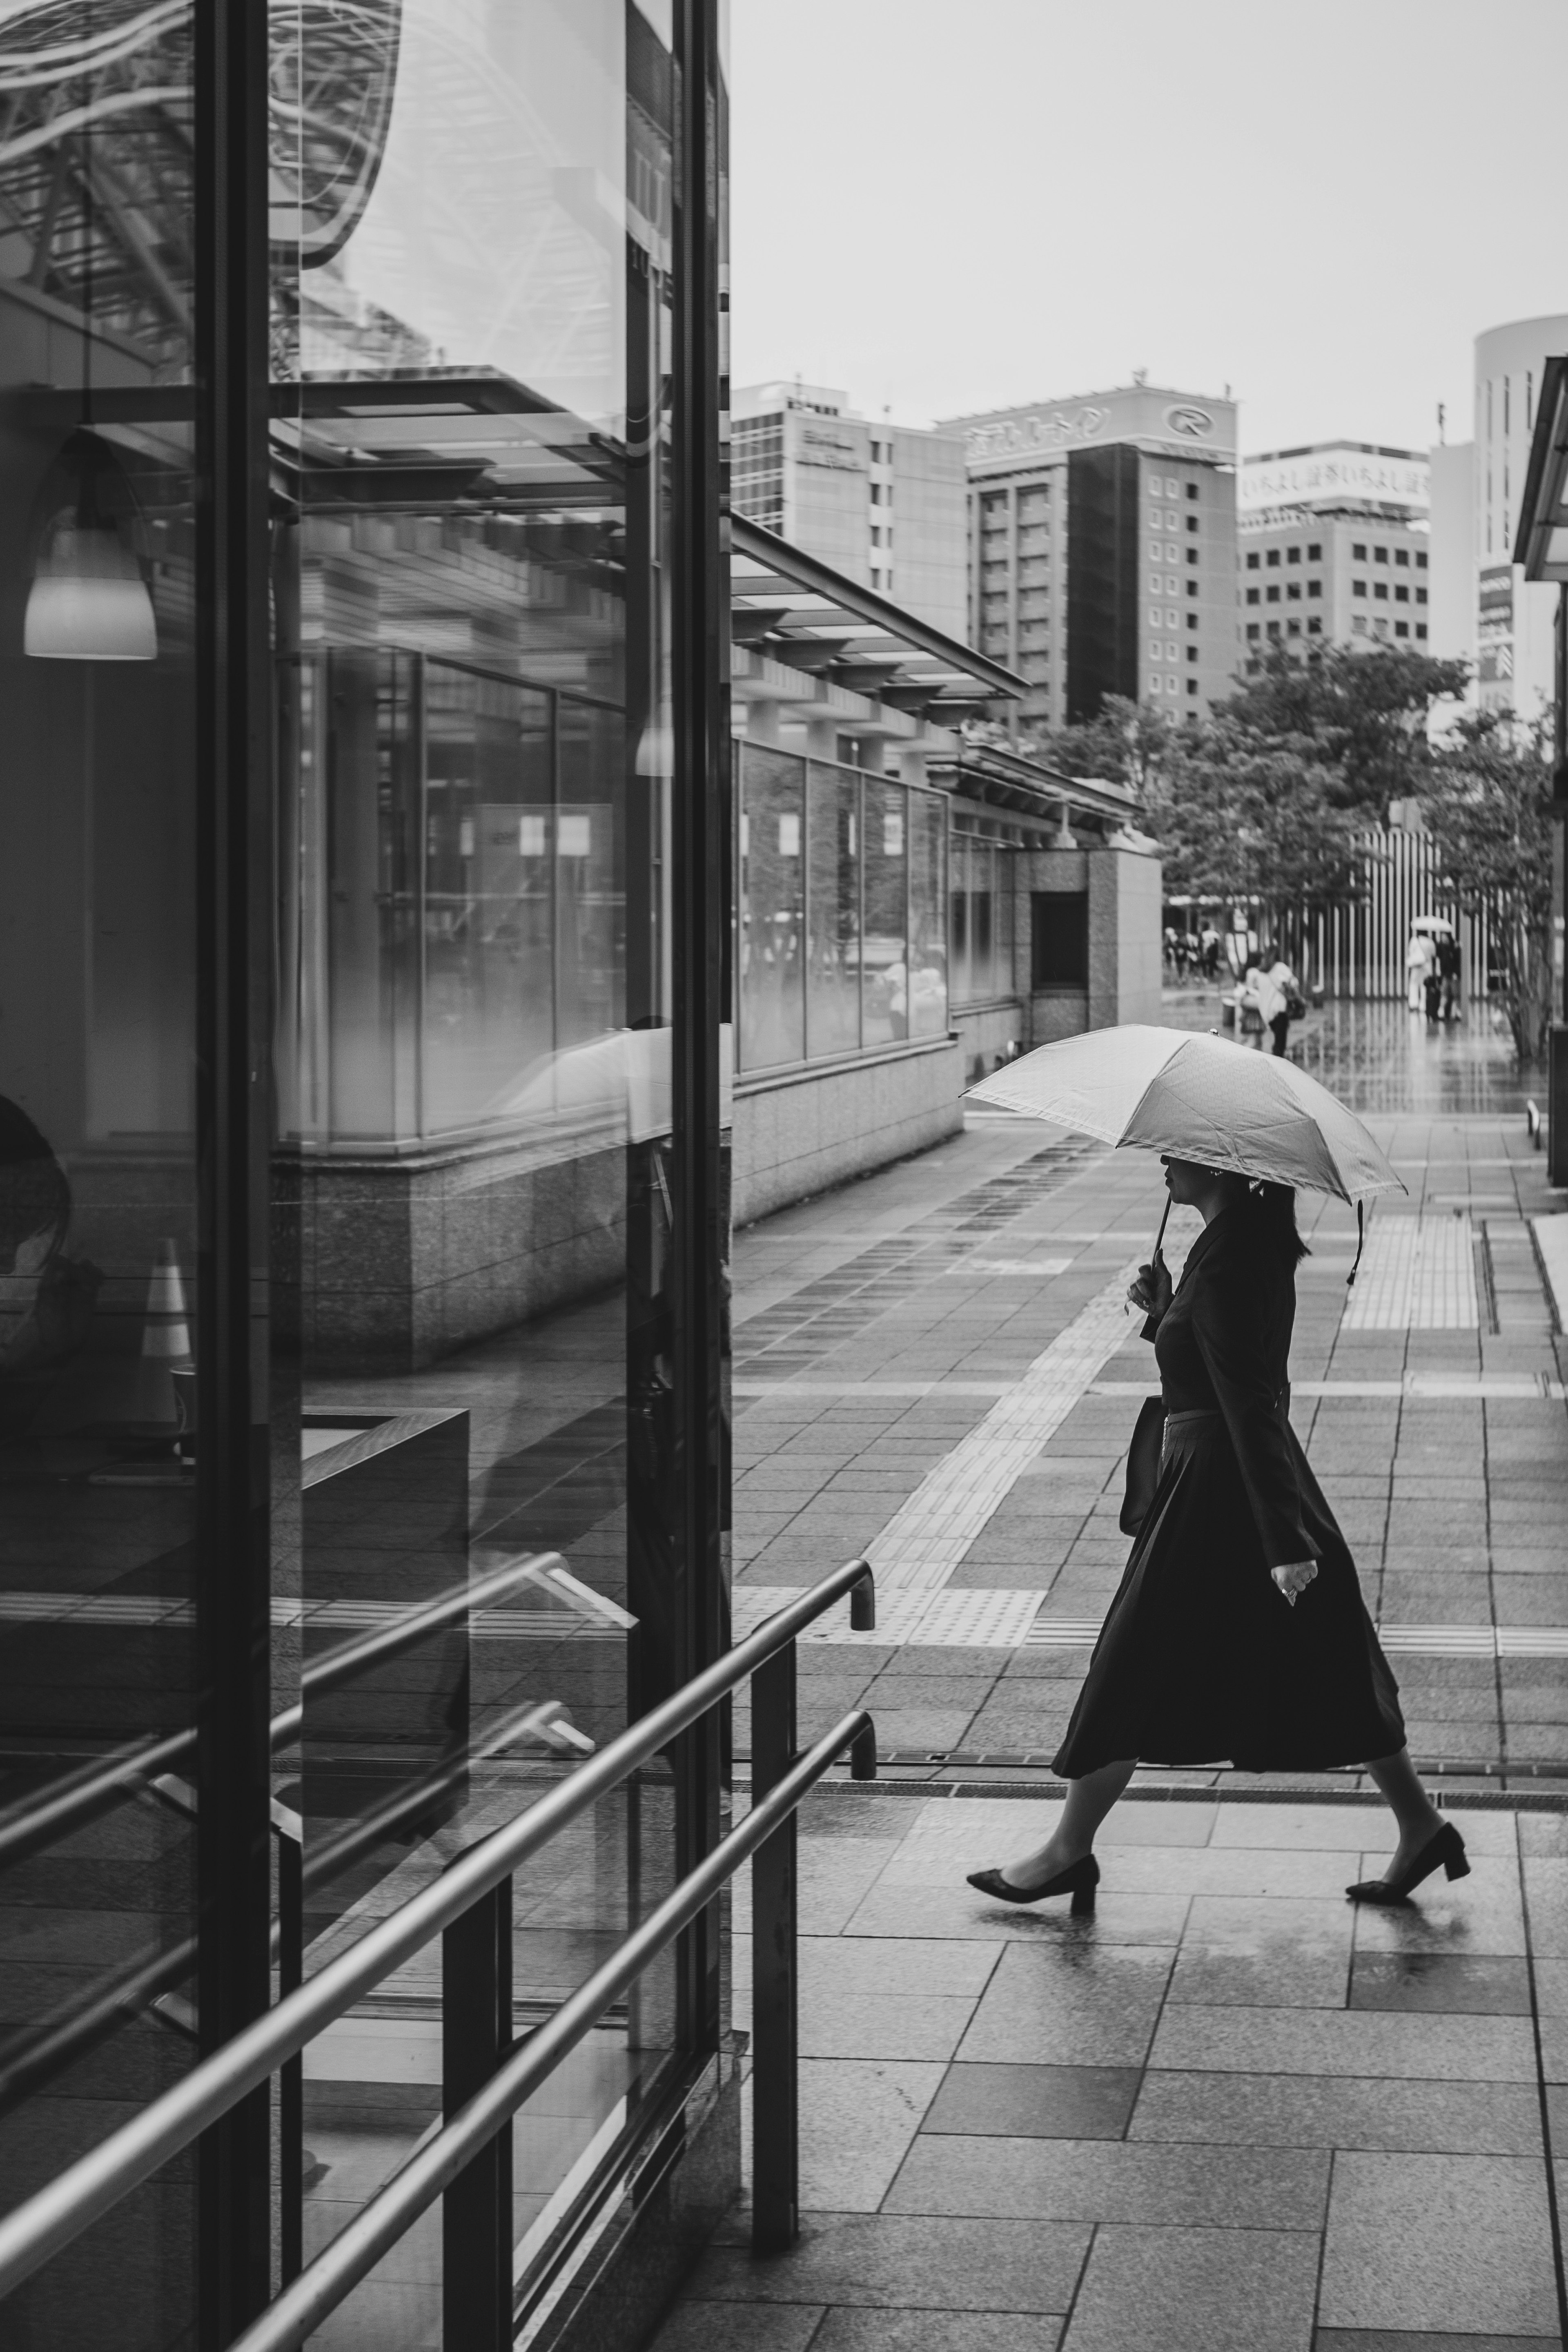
{"x": 88, "y": 600}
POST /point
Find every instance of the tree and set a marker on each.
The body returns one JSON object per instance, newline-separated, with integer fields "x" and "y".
{"x": 1242, "y": 816}
{"x": 1365, "y": 714}
{"x": 1487, "y": 799}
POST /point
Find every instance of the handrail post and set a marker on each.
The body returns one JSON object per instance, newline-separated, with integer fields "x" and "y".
{"x": 476, "y": 2210}
{"x": 290, "y": 1831}
{"x": 775, "y": 2017}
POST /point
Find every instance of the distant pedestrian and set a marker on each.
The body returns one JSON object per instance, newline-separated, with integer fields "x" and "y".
{"x": 1432, "y": 990}
{"x": 1418, "y": 958}
{"x": 1211, "y": 945}
{"x": 1449, "y": 973}
{"x": 1282, "y": 980}
{"x": 1239, "y": 1634}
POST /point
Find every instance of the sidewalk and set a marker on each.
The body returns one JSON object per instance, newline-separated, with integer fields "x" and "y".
{"x": 1229, "y": 2111}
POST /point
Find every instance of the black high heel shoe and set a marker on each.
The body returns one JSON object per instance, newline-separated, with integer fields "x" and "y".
{"x": 1079, "y": 1879}
{"x": 1446, "y": 1850}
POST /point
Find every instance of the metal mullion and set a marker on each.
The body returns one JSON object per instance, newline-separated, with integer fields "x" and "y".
{"x": 232, "y": 1113}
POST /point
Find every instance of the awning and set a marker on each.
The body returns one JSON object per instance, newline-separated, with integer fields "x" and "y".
{"x": 796, "y": 611}
{"x": 1542, "y": 543}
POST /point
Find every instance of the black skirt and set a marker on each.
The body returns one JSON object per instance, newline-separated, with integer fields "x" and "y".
{"x": 1201, "y": 1660}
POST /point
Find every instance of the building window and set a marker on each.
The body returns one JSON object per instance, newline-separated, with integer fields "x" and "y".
{"x": 1293, "y": 629}
{"x": 1058, "y": 938}
{"x": 1314, "y": 588}
{"x": 1192, "y": 555}
{"x": 1420, "y": 595}
{"x": 1251, "y": 595}
{"x": 1252, "y": 561}
{"x": 1272, "y": 559}
{"x": 1273, "y": 596}
{"x": 1402, "y": 555}
{"x": 1253, "y": 632}
{"x": 1358, "y": 587}
{"x": 1292, "y": 555}
{"x": 1358, "y": 626}
{"x": 1401, "y": 593}
{"x": 1380, "y": 555}
{"x": 1421, "y": 630}
{"x": 1273, "y": 628}
{"x": 1401, "y": 628}
{"x": 1315, "y": 552}
{"x": 1380, "y": 591}
{"x": 1192, "y": 653}
{"x": 1293, "y": 593}
{"x": 1192, "y": 522}
{"x": 1315, "y": 626}
{"x": 1358, "y": 554}
{"x": 1420, "y": 563}
{"x": 1192, "y": 686}
{"x": 1192, "y": 489}
{"x": 1191, "y": 621}
{"x": 1191, "y": 587}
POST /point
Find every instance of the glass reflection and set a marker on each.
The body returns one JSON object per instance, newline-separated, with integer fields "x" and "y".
{"x": 479, "y": 1159}
{"x": 96, "y": 1177}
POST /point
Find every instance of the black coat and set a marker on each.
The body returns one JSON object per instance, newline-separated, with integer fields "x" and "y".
{"x": 1201, "y": 1659}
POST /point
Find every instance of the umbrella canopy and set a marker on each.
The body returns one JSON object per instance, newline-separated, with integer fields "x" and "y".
{"x": 1198, "y": 1098}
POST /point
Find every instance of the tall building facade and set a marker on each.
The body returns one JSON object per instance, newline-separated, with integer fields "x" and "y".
{"x": 1332, "y": 549}
{"x": 1102, "y": 549}
{"x": 1453, "y": 550}
{"x": 882, "y": 503}
{"x": 1513, "y": 618}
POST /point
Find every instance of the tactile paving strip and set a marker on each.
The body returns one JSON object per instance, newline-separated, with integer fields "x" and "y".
{"x": 929, "y": 1536}
{"x": 1417, "y": 1274}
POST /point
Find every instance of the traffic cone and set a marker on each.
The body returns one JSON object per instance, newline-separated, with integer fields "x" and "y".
{"x": 165, "y": 1340}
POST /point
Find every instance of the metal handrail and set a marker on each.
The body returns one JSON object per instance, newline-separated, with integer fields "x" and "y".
{"x": 57, "y": 2214}
{"x": 302, "y": 2307}
{"x": 76, "y": 1798}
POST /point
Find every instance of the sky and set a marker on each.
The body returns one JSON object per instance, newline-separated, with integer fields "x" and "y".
{"x": 944, "y": 206}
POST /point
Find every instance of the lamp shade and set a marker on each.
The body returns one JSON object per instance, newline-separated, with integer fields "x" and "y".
{"x": 88, "y": 600}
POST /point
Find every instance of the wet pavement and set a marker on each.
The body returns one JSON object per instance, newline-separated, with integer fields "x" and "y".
{"x": 1229, "y": 2109}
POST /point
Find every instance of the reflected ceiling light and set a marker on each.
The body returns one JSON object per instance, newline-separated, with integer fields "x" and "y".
{"x": 88, "y": 600}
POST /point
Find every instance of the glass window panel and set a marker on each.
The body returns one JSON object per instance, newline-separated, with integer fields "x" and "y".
{"x": 477, "y": 311}
{"x": 833, "y": 902}
{"x": 772, "y": 908}
{"x": 100, "y": 1585}
{"x": 928, "y": 915}
{"x": 884, "y": 965}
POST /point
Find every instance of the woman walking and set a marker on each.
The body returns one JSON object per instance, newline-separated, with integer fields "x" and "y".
{"x": 1238, "y": 1633}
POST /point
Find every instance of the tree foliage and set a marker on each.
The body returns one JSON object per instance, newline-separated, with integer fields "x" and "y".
{"x": 1365, "y": 714}
{"x": 1488, "y": 803}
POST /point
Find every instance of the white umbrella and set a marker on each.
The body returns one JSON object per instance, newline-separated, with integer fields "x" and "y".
{"x": 1199, "y": 1097}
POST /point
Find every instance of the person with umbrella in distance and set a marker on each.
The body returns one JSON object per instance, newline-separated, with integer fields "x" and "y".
{"x": 1239, "y": 1634}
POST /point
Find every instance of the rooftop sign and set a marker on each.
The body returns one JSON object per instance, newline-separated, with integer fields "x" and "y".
{"x": 1167, "y": 422}
{"x": 1328, "y": 476}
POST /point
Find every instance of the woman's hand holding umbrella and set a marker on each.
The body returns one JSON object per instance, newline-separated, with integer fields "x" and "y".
{"x": 1293, "y": 1578}
{"x": 1151, "y": 1291}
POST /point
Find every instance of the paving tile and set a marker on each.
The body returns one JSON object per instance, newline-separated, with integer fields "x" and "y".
{"x": 1435, "y": 2241}
{"x": 710, "y": 2327}
{"x": 957, "y": 1910}
{"x": 1451, "y": 1981}
{"x": 1113, "y": 2180}
{"x": 1339, "y": 2111}
{"x": 891, "y": 1966}
{"x": 1035, "y": 2102}
{"x": 872, "y": 2025}
{"x": 1253, "y": 1924}
{"x": 1347, "y": 2041}
{"x": 857, "y": 2120}
{"x": 1072, "y": 2004}
{"x": 933, "y": 2262}
{"x": 1177, "y": 2290}
{"x": 1382, "y": 2339}
{"x": 931, "y": 2331}
{"x": 1274, "y": 1977}
{"x": 1480, "y": 1913}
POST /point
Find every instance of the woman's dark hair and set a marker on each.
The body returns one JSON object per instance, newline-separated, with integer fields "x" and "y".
{"x": 1272, "y": 1210}
{"x": 35, "y": 1197}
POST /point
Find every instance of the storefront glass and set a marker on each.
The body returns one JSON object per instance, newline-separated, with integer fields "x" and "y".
{"x": 98, "y": 1190}
{"x": 843, "y": 898}
{"x": 460, "y": 1234}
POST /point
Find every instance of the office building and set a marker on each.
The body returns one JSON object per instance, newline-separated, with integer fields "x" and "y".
{"x": 1102, "y": 549}
{"x": 1332, "y": 549}
{"x": 1452, "y": 534}
{"x": 1515, "y": 617}
{"x": 883, "y": 503}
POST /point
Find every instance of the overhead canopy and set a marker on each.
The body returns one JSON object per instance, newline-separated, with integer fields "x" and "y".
{"x": 797, "y": 611}
{"x": 1542, "y": 545}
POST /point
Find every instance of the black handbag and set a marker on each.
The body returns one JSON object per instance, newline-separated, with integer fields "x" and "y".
{"x": 1143, "y": 1455}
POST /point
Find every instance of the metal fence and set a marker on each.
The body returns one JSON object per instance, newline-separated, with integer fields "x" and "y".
{"x": 1357, "y": 951}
